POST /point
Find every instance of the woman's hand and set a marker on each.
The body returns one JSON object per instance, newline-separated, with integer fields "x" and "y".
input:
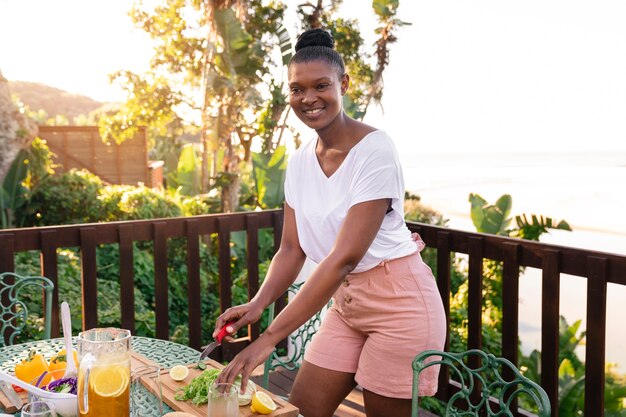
{"x": 242, "y": 315}
{"x": 246, "y": 361}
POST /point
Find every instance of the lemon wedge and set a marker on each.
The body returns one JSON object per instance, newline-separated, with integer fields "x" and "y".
{"x": 110, "y": 381}
{"x": 179, "y": 372}
{"x": 262, "y": 403}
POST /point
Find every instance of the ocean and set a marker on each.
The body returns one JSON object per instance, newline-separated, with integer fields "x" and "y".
{"x": 587, "y": 189}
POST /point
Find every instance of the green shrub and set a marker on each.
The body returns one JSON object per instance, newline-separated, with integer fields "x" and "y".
{"x": 200, "y": 204}
{"x": 145, "y": 203}
{"x": 39, "y": 163}
{"x": 127, "y": 202}
{"x": 416, "y": 211}
{"x": 110, "y": 198}
{"x": 109, "y": 309}
{"x": 67, "y": 198}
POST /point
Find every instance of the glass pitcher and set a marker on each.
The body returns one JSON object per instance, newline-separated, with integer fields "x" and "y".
{"x": 104, "y": 373}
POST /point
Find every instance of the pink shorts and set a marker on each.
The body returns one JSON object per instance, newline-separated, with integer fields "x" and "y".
{"x": 379, "y": 321}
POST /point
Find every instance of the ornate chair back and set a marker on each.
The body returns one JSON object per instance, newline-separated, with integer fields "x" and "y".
{"x": 13, "y": 310}
{"x": 483, "y": 390}
{"x": 297, "y": 341}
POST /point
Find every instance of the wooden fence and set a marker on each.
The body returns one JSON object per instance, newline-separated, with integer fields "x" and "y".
{"x": 598, "y": 268}
{"x": 81, "y": 147}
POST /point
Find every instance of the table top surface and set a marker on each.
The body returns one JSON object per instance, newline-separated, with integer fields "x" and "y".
{"x": 163, "y": 352}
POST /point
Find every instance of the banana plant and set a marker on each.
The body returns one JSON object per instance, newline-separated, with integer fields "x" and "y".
{"x": 491, "y": 218}
{"x": 236, "y": 68}
{"x": 269, "y": 172}
{"x": 187, "y": 175}
{"x": 571, "y": 369}
{"x": 572, "y": 375}
{"x": 12, "y": 192}
{"x": 494, "y": 219}
{"x": 571, "y": 389}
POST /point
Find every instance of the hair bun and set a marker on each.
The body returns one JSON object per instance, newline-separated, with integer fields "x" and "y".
{"x": 315, "y": 37}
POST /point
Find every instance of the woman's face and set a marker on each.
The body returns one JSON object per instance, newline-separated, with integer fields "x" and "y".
{"x": 315, "y": 92}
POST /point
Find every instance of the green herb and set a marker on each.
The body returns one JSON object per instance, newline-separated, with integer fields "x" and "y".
{"x": 198, "y": 389}
{"x": 59, "y": 358}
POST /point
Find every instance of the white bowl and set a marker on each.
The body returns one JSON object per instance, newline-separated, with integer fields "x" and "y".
{"x": 65, "y": 405}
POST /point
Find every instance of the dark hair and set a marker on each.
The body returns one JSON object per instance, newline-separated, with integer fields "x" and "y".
{"x": 318, "y": 45}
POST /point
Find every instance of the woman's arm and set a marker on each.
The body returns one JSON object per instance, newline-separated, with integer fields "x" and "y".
{"x": 355, "y": 236}
{"x": 283, "y": 271}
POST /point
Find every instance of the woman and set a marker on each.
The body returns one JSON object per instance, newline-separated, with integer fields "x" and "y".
{"x": 344, "y": 196}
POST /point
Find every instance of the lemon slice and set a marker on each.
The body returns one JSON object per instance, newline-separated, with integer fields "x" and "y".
{"x": 262, "y": 403}
{"x": 179, "y": 372}
{"x": 110, "y": 381}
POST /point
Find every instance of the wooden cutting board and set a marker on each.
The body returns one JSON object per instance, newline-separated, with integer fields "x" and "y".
{"x": 169, "y": 388}
{"x": 7, "y": 405}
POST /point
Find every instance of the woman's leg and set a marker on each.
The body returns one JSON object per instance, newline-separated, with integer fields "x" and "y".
{"x": 317, "y": 391}
{"x": 379, "y": 406}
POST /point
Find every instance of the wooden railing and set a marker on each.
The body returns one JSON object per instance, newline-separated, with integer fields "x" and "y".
{"x": 597, "y": 267}
{"x": 87, "y": 237}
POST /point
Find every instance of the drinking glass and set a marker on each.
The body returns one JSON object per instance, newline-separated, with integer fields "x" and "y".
{"x": 38, "y": 409}
{"x": 223, "y": 400}
{"x": 146, "y": 392}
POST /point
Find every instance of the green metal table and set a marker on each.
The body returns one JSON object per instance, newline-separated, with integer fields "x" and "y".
{"x": 166, "y": 354}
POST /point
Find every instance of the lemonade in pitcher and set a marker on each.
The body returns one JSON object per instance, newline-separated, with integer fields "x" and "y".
{"x": 104, "y": 373}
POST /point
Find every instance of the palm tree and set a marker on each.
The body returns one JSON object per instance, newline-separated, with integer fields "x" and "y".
{"x": 211, "y": 56}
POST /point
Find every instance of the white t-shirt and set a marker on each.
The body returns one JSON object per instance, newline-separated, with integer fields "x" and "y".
{"x": 370, "y": 171}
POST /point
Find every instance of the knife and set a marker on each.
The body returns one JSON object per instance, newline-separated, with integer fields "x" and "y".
{"x": 11, "y": 394}
{"x": 218, "y": 341}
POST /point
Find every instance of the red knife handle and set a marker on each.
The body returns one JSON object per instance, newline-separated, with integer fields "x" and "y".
{"x": 222, "y": 333}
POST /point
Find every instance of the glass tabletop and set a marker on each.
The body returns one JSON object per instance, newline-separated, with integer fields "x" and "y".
{"x": 163, "y": 352}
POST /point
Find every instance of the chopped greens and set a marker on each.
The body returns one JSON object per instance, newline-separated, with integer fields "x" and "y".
{"x": 197, "y": 391}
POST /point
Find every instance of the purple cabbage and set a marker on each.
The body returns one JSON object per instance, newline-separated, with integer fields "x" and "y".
{"x": 63, "y": 385}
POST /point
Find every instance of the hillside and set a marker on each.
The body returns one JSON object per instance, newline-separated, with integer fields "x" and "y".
{"x": 53, "y": 100}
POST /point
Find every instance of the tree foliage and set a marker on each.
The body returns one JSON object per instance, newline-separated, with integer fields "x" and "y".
{"x": 218, "y": 72}
{"x": 366, "y": 79}
{"x": 211, "y": 60}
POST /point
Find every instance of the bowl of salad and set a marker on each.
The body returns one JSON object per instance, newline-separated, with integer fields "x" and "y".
{"x": 55, "y": 383}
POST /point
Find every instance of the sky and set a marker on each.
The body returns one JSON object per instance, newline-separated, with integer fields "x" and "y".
{"x": 468, "y": 76}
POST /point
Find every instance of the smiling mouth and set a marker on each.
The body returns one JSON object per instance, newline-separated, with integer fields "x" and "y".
{"x": 313, "y": 112}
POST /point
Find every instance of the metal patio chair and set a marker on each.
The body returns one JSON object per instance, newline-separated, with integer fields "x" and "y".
{"x": 494, "y": 395}
{"x": 13, "y": 310}
{"x": 298, "y": 340}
